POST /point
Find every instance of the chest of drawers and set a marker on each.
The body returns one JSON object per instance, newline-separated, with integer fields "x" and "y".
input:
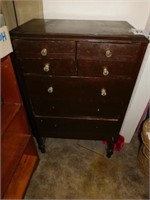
{"x": 77, "y": 77}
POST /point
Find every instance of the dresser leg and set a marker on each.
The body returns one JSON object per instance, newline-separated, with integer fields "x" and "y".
{"x": 41, "y": 143}
{"x": 110, "y": 147}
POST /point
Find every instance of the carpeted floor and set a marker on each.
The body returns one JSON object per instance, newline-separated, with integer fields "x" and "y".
{"x": 74, "y": 169}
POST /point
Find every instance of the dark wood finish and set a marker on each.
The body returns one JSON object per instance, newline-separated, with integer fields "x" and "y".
{"x": 76, "y": 87}
{"x": 81, "y": 86}
{"x": 87, "y": 29}
{"x": 18, "y": 152}
{"x": 94, "y": 68}
{"x": 55, "y": 49}
{"x": 80, "y": 96}
{"x": 96, "y": 51}
{"x": 59, "y": 66}
{"x": 85, "y": 128}
{"x": 80, "y": 107}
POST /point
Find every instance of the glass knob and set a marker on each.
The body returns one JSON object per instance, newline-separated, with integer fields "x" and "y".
{"x": 44, "y": 52}
{"x": 103, "y": 92}
{"x": 50, "y": 89}
{"x": 108, "y": 53}
{"x": 46, "y": 67}
{"x": 105, "y": 71}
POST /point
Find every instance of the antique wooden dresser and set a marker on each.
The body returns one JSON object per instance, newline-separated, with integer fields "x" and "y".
{"x": 77, "y": 76}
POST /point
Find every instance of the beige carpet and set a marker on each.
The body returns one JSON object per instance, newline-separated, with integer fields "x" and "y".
{"x": 94, "y": 146}
{"x": 75, "y": 169}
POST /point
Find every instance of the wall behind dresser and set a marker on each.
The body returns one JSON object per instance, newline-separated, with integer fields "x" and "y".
{"x": 20, "y": 11}
{"x": 133, "y": 11}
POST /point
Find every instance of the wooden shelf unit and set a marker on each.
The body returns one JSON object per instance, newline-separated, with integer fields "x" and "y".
{"x": 19, "y": 156}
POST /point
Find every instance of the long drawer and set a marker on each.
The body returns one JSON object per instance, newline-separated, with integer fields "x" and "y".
{"x": 80, "y": 107}
{"x": 78, "y": 88}
{"x": 76, "y": 96}
{"x": 76, "y": 128}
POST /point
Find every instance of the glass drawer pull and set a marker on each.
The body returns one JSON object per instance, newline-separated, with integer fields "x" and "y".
{"x": 103, "y": 92}
{"x": 46, "y": 67}
{"x": 44, "y": 52}
{"x": 105, "y": 71}
{"x": 108, "y": 53}
{"x": 50, "y": 89}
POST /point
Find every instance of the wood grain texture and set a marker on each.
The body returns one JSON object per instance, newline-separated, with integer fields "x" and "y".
{"x": 10, "y": 90}
{"x": 61, "y": 28}
{"x": 8, "y": 112}
{"x": 21, "y": 178}
{"x": 16, "y": 140}
{"x": 13, "y": 146}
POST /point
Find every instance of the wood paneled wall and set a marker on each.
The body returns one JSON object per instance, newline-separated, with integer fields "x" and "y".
{"x": 25, "y": 10}
{"x": 7, "y": 10}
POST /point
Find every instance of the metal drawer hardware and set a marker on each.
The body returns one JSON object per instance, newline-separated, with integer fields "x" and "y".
{"x": 103, "y": 92}
{"x": 46, "y": 67}
{"x": 108, "y": 53}
{"x": 105, "y": 71}
{"x": 44, "y": 52}
{"x": 50, "y": 89}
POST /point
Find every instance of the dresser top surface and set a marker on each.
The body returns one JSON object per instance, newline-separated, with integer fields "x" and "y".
{"x": 75, "y": 28}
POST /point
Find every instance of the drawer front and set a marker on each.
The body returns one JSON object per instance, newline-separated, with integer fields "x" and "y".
{"x": 108, "y": 52}
{"x": 76, "y": 128}
{"x": 80, "y": 107}
{"x": 49, "y": 66}
{"x": 95, "y": 68}
{"x": 78, "y": 88}
{"x": 40, "y": 49}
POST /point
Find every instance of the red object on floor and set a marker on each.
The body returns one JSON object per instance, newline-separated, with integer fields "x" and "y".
{"x": 119, "y": 144}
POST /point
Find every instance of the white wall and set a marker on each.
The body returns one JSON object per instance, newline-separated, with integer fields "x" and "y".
{"x": 136, "y": 12}
{"x": 133, "y": 11}
{"x": 140, "y": 96}
{"x": 139, "y": 100}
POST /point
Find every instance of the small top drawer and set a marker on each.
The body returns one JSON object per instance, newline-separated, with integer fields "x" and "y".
{"x": 96, "y": 68}
{"x": 62, "y": 67}
{"x": 108, "y": 51}
{"x": 40, "y": 49}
